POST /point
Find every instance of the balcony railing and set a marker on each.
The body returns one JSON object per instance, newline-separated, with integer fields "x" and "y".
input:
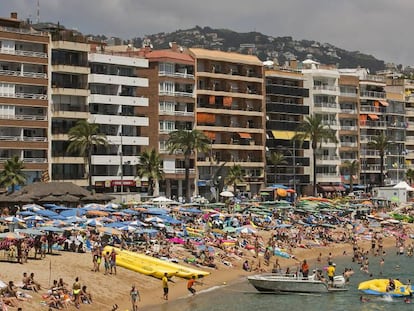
{"x": 24, "y": 138}
{"x": 180, "y": 94}
{"x": 349, "y": 127}
{"x": 23, "y": 117}
{"x": 178, "y": 171}
{"x": 372, "y": 109}
{"x": 175, "y": 74}
{"x": 24, "y": 53}
{"x": 23, "y": 74}
{"x": 176, "y": 113}
{"x": 29, "y": 31}
{"x": 373, "y": 94}
{"x": 349, "y": 143}
{"x": 24, "y": 95}
{"x": 326, "y": 105}
{"x": 325, "y": 88}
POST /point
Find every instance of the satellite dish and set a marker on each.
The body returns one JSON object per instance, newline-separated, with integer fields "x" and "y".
{"x": 170, "y": 44}
{"x": 181, "y": 49}
{"x": 151, "y": 46}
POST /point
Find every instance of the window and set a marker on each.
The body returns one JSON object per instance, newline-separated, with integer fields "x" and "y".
{"x": 167, "y": 106}
{"x": 167, "y": 126}
{"x": 167, "y": 87}
{"x": 168, "y": 68}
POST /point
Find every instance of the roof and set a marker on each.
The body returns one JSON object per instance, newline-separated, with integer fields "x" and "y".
{"x": 226, "y": 56}
{"x": 54, "y": 188}
{"x": 168, "y": 54}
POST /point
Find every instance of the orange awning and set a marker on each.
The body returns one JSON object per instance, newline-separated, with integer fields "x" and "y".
{"x": 245, "y": 135}
{"x": 227, "y": 101}
{"x": 206, "y": 118}
{"x": 383, "y": 103}
{"x": 210, "y": 135}
{"x": 373, "y": 116}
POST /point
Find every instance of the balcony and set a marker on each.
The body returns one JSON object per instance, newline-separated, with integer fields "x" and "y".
{"x": 24, "y": 53}
{"x": 177, "y": 170}
{"x": 274, "y": 89}
{"x": 326, "y": 107}
{"x": 349, "y": 144}
{"x": 118, "y": 100}
{"x": 24, "y": 95}
{"x": 288, "y": 108}
{"x": 372, "y": 109}
{"x": 176, "y": 113}
{"x": 326, "y": 88}
{"x": 373, "y": 124}
{"x": 22, "y": 138}
{"x": 372, "y": 168}
{"x": 372, "y": 94}
{"x": 175, "y": 75}
{"x": 349, "y": 127}
{"x": 26, "y": 74}
{"x": 23, "y": 117}
{"x": 176, "y": 94}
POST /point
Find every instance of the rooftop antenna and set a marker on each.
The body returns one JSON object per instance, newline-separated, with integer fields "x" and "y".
{"x": 38, "y": 11}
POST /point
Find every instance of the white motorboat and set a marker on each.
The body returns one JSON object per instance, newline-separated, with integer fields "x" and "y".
{"x": 271, "y": 282}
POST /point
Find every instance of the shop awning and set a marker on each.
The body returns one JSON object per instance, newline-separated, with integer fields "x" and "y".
{"x": 245, "y": 135}
{"x": 288, "y": 135}
{"x": 373, "y": 117}
{"x": 383, "y": 103}
{"x": 339, "y": 188}
{"x": 326, "y": 188}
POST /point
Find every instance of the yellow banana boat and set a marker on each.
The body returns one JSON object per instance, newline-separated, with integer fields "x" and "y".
{"x": 153, "y": 266}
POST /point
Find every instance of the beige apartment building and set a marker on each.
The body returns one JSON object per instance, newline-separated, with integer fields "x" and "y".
{"x": 230, "y": 110}
{"x": 24, "y": 95}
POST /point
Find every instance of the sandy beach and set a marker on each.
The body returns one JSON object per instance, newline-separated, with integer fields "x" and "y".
{"x": 108, "y": 290}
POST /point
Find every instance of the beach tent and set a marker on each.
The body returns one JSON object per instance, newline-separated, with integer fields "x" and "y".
{"x": 403, "y": 185}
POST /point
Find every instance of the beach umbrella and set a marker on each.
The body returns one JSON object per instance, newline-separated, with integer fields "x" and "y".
{"x": 32, "y": 207}
{"x": 154, "y": 219}
{"x": 109, "y": 231}
{"x": 130, "y": 211}
{"x": 34, "y": 218}
{"x": 26, "y": 213}
{"x": 176, "y": 240}
{"x": 227, "y": 194}
{"x": 155, "y": 211}
{"x": 47, "y": 213}
{"x": 13, "y": 219}
{"x": 94, "y": 206}
{"x": 30, "y": 231}
{"x": 97, "y": 213}
{"x": 137, "y": 223}
{"x": 128, "y": 228}
{"x": 50, "y": 229}
{"x": 112, "y": 205}
{"x": 73, "y": 212}
{"x": 161, "y": 199}
{"x": 94, "y": 223}
{"x": 229, "y": 229}
{"x": 10, "y": 236}
{"x": 75, "y": 219}
{"x": 56, "y": 223}
{"x": 246, "y": 230}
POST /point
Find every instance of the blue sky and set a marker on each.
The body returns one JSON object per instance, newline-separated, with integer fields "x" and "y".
{"x": 378, "y": 27}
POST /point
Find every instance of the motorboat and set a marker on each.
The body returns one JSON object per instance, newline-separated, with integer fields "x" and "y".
{"x": 380, "y": 287}
{"x": 272, "y": 282}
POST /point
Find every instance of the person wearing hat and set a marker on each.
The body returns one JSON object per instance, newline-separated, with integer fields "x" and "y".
{"x": 331, "y": 273}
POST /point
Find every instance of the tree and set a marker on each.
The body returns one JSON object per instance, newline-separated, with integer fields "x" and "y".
{"x": 381, "y": 144}
{"x": 234, "y": 176}
{"x": 188, "y": 142}
{"x": 83, "y": 137}
{"x": 277, "y": 159}
{"x": 409, "y": 174}
{"x": 352, "y": 168}
{"x": 12, "y": 175}
{"x": 313, "y": 129}
{"x": 150, "y": 166}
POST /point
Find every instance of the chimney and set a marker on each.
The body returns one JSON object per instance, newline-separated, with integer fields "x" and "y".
{"x": 293, "y": 63}
{"x": 13, "y": 15}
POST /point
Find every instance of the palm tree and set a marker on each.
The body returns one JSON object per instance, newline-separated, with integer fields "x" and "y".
{"x": 277, "y": 159}
{"x": 12, "y": 175}
{"x": 381, "y": 144}
{"x": 150, "y": 166}
{"x": 313, "y": 129}
{"x": 83, "y": 137}
{"x": 234, "y": 176}
{"x": 188, "y": 142}
{"x": 409, "y": 174}
{"x": 352, "y": 168}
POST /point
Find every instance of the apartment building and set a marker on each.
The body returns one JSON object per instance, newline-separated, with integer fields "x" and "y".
{"x": 285, "y": 111}
{"x": 171, "y": 108}
{"x": 323, "y": 84}
{"x": 349, "y": 140}
{"x": 117, "y": 105}
{"x": 69, "y": 101}
{"x": 230, "y": 109}
{"x": 24, "y": 85}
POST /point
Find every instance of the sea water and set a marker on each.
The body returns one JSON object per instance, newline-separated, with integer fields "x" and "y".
{"x": 241, "y": 296}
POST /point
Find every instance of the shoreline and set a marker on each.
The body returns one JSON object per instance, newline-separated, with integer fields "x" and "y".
{"x": 108, "y": 290}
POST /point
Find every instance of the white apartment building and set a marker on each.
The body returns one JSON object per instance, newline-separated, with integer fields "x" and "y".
{"x": 115, "y": 105}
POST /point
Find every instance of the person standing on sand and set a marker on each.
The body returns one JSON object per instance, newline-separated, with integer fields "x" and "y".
{"x": 113, "y": 261}
{"x": 76, "y": 288}
{"x": 190, "y": 285}
{"x": 305, "y": 269}
{"x": 134, "y": 297}
{"x": 165, "y": 285}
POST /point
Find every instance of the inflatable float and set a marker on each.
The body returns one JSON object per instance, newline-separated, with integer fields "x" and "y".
{"x": 379, "y": 287}
{"x": 153, "y": 266}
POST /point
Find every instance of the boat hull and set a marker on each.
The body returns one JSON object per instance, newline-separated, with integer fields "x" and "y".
{"x": 276, "y": 283}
